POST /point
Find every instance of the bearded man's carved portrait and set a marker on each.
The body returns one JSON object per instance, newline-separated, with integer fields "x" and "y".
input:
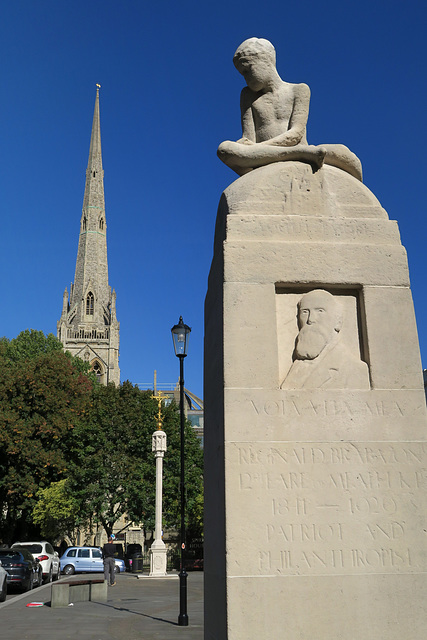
{"x": 320, "y": 359}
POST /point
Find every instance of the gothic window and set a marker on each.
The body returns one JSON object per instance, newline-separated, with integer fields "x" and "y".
{"x": 97, "y": 369}
{"x": 101, "y": 224}
{"x": 89, "y": 304}
{"x": 94, "y": 174}
{"x": 84, "y": 223}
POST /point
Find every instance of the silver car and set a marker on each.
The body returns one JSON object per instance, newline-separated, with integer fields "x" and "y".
{"x": 85, "y": 559}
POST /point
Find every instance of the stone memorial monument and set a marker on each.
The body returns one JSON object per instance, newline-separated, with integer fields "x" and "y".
{"x": 158, "y": 554}
{"x": 315, "y": 415}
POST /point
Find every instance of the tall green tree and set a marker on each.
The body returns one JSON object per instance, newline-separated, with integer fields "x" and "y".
{"x": 43, "y": 397}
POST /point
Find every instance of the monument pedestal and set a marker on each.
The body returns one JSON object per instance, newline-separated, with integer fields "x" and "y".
{"x": 316, "y": 503}
{"x": 158, "y": 559}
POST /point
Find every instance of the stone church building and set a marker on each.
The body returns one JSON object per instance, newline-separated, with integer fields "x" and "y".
{"x": 88, "y": 326}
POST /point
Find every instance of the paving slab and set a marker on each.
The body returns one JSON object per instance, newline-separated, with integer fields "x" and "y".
{"x": 136, "y": 610}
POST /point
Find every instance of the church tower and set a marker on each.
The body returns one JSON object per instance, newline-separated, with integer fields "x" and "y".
{"x": 88, "y": 326}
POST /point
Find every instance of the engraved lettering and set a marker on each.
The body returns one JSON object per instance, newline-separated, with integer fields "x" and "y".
{"x": 305, "y": 532}
{"x": 340, "y": 455}
{"x": 297, "y": 411}
{"x": 281, "y": 406}
{"x": 301, "y": 506}
{"x": 299, "y": 456}
{"x": 272, "y": 408}
{"x": 255, "y": 407}
{"x": 285, "y": 560}
{"x": 317, "y": 409}
{"x": 380, "y": 408}
{"x": 404, "y": 484}
{"x": 319, "y": 558}
{"x": 398, "y": 408}
{"x": 384, "y": 504}
{"x": 332, "y": 508}
{"x": 280, "y": 507}
{"x": 337, "y": 558}
{"x": 248, "y": 456}
{"x": 421, "y": 479}
{"x": 304, "y": 555}
{"x": 380, "y": 558}
{"x": 392, "y": 530}
{"x": 264, "y": 560}
{"x": 413, "y": 456}
{"x": 368, "y": 409}
{"x": 274, "y": 455}
{"x": 317, "y": 455}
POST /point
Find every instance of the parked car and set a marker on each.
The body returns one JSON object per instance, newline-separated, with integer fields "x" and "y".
{"x": 3, "y": 584}
{"x": 23, "y": 570}
{"x": 48, "y": 557}
{"x": 82, "y": 559}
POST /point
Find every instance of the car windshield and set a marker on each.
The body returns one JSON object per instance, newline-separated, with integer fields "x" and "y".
{"x": 32, "y": 548}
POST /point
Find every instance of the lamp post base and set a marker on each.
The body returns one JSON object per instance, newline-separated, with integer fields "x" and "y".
{"x": 183, "y": 617}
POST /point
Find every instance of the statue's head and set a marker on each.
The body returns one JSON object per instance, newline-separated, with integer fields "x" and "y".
{"x": 320, "y": 318}
{"x": 255, "y": 47}
{"x": 255, "y": 59}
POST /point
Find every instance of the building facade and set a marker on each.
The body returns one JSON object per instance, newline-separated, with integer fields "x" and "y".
{"x": 88, "y": 326}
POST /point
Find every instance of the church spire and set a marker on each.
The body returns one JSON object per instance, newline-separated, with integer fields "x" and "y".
{"x": 94, "y": 188}
{"x": 91, "y": 274}
{"x": 88, "y": 326}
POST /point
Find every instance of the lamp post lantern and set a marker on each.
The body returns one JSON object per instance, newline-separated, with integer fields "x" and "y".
{"x": 180, "y": 336}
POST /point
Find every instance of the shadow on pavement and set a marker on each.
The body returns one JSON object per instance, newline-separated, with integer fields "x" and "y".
{"x": 136, "y": 613}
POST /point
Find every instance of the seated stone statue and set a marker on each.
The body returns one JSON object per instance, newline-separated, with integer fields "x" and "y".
{"x": 274, "y": 118}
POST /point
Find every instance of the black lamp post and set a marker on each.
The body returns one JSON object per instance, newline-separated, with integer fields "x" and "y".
{"x": 180, "y": 335}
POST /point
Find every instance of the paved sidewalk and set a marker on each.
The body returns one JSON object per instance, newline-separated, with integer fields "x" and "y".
{"x": 137, "y": 609}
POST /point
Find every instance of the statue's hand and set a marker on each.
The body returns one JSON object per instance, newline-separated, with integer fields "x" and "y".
{"x": 245, "y": 141}
{"x": 288, "y": 139}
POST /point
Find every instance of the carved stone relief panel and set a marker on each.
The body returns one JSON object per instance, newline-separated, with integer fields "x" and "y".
{"x": 319, "y": 340}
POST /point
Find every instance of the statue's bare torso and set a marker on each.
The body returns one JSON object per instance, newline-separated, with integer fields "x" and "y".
{"x": 274, "y": 119}
{"x": 266, "y": 115}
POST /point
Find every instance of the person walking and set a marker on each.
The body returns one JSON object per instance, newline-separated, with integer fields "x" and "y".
{"x": 108, "y": 551}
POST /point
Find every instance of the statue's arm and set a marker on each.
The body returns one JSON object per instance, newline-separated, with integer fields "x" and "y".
{"x": 248, "y": 125}
{"x": 298, "y": 120}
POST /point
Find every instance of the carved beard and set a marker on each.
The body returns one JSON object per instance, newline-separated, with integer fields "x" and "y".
{"x": 311, "y": 341}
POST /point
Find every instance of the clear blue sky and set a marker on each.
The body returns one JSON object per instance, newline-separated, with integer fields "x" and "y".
{"x": 169, "y": 96}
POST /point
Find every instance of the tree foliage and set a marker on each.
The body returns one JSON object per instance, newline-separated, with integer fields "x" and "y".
{"x": 57, "y": 512}
{"x": 43, "y": 397}
{"x": 30, "y": 344}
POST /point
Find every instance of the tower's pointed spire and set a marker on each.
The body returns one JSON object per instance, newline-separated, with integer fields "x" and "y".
{"x": 95, "y": 158}
{"x": 88, "y": 325}
{"x": 94, "y": 188}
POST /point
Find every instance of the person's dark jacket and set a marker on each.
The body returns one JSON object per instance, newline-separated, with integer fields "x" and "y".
{"x": 108, "y": 550}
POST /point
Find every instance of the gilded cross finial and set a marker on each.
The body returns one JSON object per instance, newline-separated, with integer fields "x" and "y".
{"x": 98, "y": 86}
{"x": 159, "y": 397}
